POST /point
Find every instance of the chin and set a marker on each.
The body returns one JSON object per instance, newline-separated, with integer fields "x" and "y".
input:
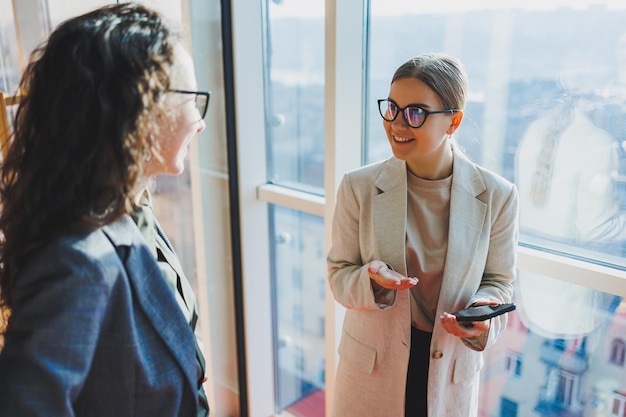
{"x": 399, "y": 155}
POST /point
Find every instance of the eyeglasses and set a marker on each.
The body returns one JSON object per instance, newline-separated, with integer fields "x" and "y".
{"x": 202, "y": 99}
{"x": 414, "y": 116}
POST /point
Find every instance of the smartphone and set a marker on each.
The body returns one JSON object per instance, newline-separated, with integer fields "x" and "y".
{"x": 480, "y": 313}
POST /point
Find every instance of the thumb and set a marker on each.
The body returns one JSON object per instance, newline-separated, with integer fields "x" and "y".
{"x": 374, "y": 267}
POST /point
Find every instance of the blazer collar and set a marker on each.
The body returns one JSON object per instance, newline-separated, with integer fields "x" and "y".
{"x": 391, "y": 175}
{"x": 153, "y": 294}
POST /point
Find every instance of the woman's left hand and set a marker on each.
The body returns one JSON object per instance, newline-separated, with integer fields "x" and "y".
{"x": 465, "y": 330}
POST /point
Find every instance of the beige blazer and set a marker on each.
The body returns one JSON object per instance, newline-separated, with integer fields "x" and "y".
{"x": 369, "y": 223}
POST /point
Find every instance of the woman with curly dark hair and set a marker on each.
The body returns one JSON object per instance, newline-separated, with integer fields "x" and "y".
{"x": 101, "y": 315}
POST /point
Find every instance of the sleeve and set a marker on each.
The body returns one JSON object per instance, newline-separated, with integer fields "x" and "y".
{"x": 348, "y": 277}
{"x": 59, "y": 302}
{"x": 500, "y": 268}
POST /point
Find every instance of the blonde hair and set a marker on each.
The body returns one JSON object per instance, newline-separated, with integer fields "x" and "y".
{"x": 442, "y": 73}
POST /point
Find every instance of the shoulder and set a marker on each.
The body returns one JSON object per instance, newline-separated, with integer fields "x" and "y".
{"x": 378, "y": 175}
{"x": 87, "y": 256}
{"x": 373, "y": 170}
{"x": 484, "y": 184}
{"x": 495, "y": 181}
{"x": 479, "y": 176}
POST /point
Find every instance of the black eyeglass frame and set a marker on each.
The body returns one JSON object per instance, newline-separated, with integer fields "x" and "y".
{"x": 406, "y": 119}
{"x": 206, "y": 94}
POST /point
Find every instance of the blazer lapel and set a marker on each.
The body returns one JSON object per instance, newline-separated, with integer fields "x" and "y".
{"x": 467, "y": 217}
{"x": 390, "y": 213}
{"x": 153, "y": 294}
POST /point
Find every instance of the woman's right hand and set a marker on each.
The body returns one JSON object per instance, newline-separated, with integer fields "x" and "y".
{"x": 386, "y": 277}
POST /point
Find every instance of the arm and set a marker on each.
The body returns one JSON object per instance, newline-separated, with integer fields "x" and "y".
{"x": 348, "y": 277}
{"x": 59, "y": 303}
{"x": 358, "y": 283}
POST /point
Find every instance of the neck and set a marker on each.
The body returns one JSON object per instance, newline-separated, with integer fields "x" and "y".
{"x": 433, "y": 169}
{"x": 142, "y": 184}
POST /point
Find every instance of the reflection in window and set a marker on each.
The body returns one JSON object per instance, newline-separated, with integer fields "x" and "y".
{"x": 557, "y": 373}
{"x": 513, "y": 363}
{"x": 619, "y": 405}
{"x": 298, "y": 310}
{"x": 508, "y": 408}
{"x": 549, "y": 116}
{"x": 567, "y": 383}
{"x": 618, "y": 351}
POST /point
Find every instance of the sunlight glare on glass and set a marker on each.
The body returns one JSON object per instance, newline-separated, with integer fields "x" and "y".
{"x": 281, "y": 9}
{"x": 404, "y": 7}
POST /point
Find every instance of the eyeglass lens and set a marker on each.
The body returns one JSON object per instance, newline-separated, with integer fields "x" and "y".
{"x": 202, "y": 104}
{"x": 414, "y": 116}
{"x": 201, "y": 99}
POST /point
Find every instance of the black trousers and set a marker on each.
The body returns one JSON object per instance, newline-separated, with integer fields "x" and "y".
{"x": 417, "y": 374}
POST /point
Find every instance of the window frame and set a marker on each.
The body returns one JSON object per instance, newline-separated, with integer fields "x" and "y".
{"x": 344, "y": 53}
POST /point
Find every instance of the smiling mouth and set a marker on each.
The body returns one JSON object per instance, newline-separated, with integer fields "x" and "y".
{"x": 402, "y": 140}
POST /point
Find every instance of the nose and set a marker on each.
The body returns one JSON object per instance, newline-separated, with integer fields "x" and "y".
{"x": 201, "y": 126}
{"x": 400, "y": 120}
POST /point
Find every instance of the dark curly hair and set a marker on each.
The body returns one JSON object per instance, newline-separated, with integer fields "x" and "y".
{"x": 82, "y": 129}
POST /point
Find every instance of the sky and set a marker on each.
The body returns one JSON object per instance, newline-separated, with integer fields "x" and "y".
{"x": 315, "y": 8}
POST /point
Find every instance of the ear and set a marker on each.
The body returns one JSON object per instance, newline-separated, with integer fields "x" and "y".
{"x": 456, "y": 122}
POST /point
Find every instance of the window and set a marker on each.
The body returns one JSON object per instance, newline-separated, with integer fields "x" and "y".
{"x": 618, "y": 351}
{"x": 515, "y": 79}
{"x": 531, "y": 97}
{"x": 566, "y": 389}
{"x": 298, "y": 310}
{"x": 10, "y": 57}
{"x": 513, "y": 363}
{"x": 618, "y": 407}
{"x": 295, "y": 94}
{"x": 508, "y": 408}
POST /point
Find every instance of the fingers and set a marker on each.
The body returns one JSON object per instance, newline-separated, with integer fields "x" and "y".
{"x": 388, "y": 278}
{"x": 485, "y": 302}
{"x": 452, "y": 326}
{"x": 406, "y": 283}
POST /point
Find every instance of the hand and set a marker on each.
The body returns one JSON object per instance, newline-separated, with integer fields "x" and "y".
{"x": 388, "y": 278}
{"x": 466, "y": 330}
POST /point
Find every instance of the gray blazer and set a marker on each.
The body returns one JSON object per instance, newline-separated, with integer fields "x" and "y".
{"x": 96, "y": 332}
{"x": 370, "y": 223}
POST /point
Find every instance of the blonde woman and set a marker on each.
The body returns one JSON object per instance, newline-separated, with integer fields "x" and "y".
{"x": 416, "y": 237}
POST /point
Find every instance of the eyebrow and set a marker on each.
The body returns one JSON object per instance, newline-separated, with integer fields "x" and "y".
{"x": 421, "y": 105}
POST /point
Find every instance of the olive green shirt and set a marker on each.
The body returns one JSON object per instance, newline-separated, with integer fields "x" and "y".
{"x": 173, "y": 272}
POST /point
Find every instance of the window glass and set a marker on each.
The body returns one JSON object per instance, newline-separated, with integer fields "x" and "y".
{"x": 208, "y": 184}
{"x": 546, "y": 107}
{"x": 298, "y": 264}
{"x": 60, "y": 10}
{"x": 569, "y": 356}
{"x": 295, "y": 93}
{"x": 9, "y": 54}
